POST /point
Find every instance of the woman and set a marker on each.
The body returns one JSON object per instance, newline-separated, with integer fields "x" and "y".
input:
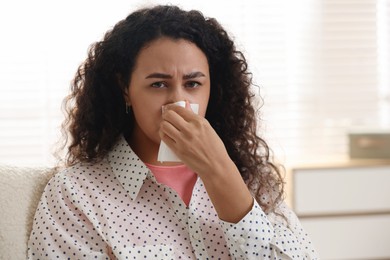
{"x": 223, "y": 199}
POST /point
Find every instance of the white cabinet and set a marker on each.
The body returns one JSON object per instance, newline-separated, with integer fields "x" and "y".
{"x": 345, "y": 209}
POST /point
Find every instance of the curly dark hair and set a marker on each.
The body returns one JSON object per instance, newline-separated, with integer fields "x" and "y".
{"x": 96, "y": 115}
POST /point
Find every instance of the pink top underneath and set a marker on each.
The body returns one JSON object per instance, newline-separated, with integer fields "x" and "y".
{"x": 179, "y": 177}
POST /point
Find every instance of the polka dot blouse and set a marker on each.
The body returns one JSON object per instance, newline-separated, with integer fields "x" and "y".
{"x": 116, "y": 209}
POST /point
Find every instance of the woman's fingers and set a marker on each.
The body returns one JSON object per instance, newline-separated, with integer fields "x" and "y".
{"x": 185, "y": 112}
{"x": 172, "y": 127}
{"x": 180, "y": 118}
{"x": 192, "y": 139}
{"x": 169, "y": 130}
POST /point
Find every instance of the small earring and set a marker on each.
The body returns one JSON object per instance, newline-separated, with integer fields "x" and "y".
{"x": 127, "y": 108}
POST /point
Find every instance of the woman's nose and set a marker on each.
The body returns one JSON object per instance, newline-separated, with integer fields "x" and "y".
{"x": 176, "y": 93}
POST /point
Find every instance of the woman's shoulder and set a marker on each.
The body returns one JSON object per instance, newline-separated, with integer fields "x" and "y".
{"x": 84, "y": 172}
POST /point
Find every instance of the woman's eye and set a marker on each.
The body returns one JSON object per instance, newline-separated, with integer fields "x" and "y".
{"x": 158, "y": 85}
{"x": 192, "y": 84}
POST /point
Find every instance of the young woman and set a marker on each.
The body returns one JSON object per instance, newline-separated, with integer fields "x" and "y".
{"x": 223, "y": 199}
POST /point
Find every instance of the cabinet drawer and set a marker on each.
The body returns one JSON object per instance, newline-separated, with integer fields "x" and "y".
{"x": 358, "y": 237}
{"x": 353, "y": 190}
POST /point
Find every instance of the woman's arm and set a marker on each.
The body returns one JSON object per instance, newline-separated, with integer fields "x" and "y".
{"x": 60, "y": 229}
{"x": 262, "y": 236}
{"x": 196, "y": 143}
{"x": 250, "y": 233}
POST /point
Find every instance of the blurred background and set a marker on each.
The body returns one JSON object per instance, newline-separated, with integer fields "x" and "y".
{"x": 322, "y": 68}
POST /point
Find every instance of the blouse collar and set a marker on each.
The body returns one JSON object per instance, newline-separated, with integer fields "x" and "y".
{"x": 127, "y": 167}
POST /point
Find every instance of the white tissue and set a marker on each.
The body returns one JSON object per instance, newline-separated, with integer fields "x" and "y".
{"x": 164, "y": 153}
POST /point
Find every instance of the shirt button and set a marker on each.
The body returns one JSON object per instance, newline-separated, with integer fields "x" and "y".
{"x": 196, "y": 236}
{"x": 241, "y": 240}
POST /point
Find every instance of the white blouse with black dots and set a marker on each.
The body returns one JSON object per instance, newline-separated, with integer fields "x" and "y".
{"x": 115, "y": 209}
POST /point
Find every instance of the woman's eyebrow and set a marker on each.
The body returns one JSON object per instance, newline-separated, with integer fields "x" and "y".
{"x": 159, "y": 76}
{"x": 191, "y": 75}
{"x": 196, "y": 74}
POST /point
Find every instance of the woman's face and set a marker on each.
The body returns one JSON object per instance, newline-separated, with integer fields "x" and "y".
{"x": 166, "y": 71}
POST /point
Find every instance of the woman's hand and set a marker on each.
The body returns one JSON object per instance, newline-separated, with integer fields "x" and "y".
{"x": 195, "y": 142}
{"x": 192, "y": 139}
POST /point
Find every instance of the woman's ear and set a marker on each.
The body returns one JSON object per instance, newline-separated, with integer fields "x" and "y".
{"x": 127, "y": 100}
{"x": 126, "y": 97}
{"x": 125, "y": 89}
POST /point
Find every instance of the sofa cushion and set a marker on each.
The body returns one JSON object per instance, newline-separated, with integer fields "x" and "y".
{"x": 20, "y": 191}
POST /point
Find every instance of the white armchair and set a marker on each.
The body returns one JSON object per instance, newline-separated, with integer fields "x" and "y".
{"x": 20, "y": 191}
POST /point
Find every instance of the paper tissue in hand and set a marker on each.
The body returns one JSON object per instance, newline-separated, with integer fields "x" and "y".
{"x": 164, "y": 153}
